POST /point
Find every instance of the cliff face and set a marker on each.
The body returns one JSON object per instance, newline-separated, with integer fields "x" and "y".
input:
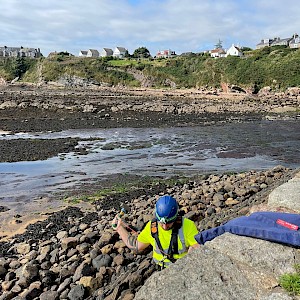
{"x": 230, "y": 266}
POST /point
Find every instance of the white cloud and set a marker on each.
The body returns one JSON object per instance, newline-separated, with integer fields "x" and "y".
{"x": 189, "y": 25}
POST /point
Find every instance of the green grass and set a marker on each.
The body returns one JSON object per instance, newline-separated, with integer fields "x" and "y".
{"x": 122, "y": 63}
{"x": 291, "y": 282}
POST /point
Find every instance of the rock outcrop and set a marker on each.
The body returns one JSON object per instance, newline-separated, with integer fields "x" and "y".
{"x": 229, "y": 267}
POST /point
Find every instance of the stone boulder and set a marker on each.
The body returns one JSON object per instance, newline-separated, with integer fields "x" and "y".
{"x": 229, "y": 267}
{"x": 287, "y": 195}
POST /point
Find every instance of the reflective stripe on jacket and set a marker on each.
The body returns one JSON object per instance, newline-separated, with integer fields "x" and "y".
{"x": 160, "y": 258}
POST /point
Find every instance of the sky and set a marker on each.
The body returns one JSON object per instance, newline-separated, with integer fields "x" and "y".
{"x": 178, "y": 25}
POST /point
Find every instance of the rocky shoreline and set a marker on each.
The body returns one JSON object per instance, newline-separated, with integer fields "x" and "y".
{"x": 26, "y": 108}
{"x": 77, "y": 255}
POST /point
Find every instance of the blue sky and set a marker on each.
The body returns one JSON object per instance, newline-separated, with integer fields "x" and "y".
{"x": 179, "y": 25}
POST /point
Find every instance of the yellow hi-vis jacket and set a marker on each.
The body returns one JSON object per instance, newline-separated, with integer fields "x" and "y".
{"x": 186, "y": 238}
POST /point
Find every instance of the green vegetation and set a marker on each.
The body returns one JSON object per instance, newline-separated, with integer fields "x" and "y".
{"x": 291, "y": 282}
{"x": 141, "y": 52}
{"x": 10, "y": 68}
{"x": 144, "y": 183}
{"x": 276, "y": 67}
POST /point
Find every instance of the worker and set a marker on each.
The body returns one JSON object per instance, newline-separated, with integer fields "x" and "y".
{"x": 171, "y": 235}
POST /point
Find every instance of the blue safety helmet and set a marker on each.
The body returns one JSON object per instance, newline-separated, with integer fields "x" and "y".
{"x": 166, "y": 209}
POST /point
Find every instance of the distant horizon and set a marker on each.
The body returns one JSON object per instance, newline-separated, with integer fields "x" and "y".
{"x": 189, "y": 26}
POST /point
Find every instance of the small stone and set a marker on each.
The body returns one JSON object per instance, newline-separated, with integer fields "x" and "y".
{"x": 102, "y": 261}
{"x": 107, "y": 249}
{"x": 69, "y": 242}
{"x": 62, "y": 234}
{"x": 23, "y": 248}
{"x": 49, "y": 295}
{"x": 231, "y": 201}
{"x": 118, "y": 260}
{"x": 90, "y": 282}
{"x": 77, "y": 293}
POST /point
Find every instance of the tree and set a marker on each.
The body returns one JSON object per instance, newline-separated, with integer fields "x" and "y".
{"x": 126, "y": 54}
{"x": 20, "y": 67}
{"x": 141, "y": 52}
{"x": 246, "y": 49}
{"x": 219, "y": 44}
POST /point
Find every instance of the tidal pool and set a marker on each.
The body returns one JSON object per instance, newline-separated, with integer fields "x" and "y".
{"x": 162, "y": 152}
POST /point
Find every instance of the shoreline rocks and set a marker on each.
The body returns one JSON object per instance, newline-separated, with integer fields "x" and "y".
{"x": 36, "y": 109}
{"x": 77, "y": 255}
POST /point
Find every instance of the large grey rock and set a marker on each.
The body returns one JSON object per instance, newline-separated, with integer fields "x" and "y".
{"x": 287, "y": 195}
{"x": 77, "y": 293}
{"x": 229, "y": 267}
{"x": 101, "y": 260}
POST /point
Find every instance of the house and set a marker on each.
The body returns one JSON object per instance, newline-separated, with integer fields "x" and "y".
{"x": 292, "y": 42}
{"x": 120, "y": 52}
{"x": 165, "y": 53}
{"x": 281, "y": 42}
{"x": 219, "y": 52}
{"x": 234, "y": 51}
{"x": 106, "y": 52}
{"x": 264, "y": 43}
{"x": 92, "y": 53}
{"x": 295, "y": 41}
{"x": 186, "y": 53}
{"x": 20, "y": 52}
{"x": 82, "y": 53}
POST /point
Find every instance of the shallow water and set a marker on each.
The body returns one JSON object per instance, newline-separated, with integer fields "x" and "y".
{"x": 152, "y": 151}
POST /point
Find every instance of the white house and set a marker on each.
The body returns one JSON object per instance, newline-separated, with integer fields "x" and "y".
{"x": 92, "y": 53}
{"x": 281, "y": 42}
{"x": 292, "y": 42}
{"x": 119, "y": 52}
{"x": 234, "y": 51}
{"x": 82, "y": 53}
{"x": 165, "y": 53}
{"x": 295, "y": 42}
{"x": 106, "y": 52}
{"x": 219, "y": 52}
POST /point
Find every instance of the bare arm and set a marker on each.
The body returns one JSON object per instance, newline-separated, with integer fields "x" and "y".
{"x": 130, "y": 240}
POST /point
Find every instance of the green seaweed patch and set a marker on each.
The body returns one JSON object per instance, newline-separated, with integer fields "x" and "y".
{"x": 72, "y": 200}
{"x": 291, "y": 282}
{"x": 118, "y": 189}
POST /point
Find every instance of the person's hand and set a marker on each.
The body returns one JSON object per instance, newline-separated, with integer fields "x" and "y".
{"x": 116, "y": 222}
{"x": 193, "y": 247}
